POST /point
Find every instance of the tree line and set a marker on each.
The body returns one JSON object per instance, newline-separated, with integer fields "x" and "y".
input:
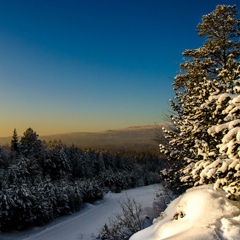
{"x": 40, "y": 181}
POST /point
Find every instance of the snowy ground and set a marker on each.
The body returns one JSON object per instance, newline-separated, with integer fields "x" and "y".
{"x": 200, "y": 214}
{"x": 87, "y": 223}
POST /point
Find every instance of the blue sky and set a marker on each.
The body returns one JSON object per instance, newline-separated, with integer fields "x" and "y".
{"x": 68, "y": 66}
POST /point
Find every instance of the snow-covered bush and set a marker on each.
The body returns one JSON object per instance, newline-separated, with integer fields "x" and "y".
{"x": 163, "y": 197}
{"x": 123, "y": 225}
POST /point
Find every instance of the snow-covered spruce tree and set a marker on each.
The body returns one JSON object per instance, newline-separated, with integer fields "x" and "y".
{"x": 222, "y": 167}
{"x": 56, "y": 162}
{"x": 190, "y": 140}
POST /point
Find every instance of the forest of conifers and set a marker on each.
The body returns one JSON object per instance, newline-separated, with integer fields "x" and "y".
{"x": 40, "y": 181}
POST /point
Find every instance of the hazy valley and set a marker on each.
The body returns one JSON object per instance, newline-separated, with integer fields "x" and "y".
{"x": 131, "y": 138}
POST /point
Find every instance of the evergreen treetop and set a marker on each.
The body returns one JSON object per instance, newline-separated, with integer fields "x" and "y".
{"x": 14, "y": 141}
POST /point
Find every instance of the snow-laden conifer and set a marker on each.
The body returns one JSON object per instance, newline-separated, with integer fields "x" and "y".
{"x": 211, "y": 70}
{"x": 223, "y": 166}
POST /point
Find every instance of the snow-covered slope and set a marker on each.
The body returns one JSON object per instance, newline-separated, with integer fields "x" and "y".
{"x": 200, "y": 214}
{"x": 84, "y": 225}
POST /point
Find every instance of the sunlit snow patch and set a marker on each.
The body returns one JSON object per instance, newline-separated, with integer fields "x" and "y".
{"x": 200, "y": 214}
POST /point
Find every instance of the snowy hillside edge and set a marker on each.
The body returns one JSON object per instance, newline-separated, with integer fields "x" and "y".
{"x": 202, "y": 213}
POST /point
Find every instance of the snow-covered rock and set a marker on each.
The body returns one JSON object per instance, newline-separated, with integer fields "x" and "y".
{"x": 202, "y": 213}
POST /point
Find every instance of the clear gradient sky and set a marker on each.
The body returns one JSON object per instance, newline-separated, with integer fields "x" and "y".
{"x": 92, "y": 65}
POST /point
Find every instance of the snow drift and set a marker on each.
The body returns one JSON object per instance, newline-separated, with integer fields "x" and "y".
{"x": 202, "y": 213}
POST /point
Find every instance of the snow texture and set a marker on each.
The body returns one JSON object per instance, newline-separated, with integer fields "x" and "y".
{"x": 200, "y": 214}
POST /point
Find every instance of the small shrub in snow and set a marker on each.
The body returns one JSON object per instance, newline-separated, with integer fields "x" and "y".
{"x": 163, "y": 197}
{"x": 124, "y": 225}
{"x": 200, "y": 213}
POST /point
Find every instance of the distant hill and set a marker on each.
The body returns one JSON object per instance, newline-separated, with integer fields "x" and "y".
{"x": 132, "y": 138}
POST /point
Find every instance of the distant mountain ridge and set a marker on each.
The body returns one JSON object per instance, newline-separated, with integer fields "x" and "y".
{"x": 131, "y": 138}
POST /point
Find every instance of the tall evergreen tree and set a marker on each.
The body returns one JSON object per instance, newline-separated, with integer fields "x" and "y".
{"x": 203, "y": 76}
{"x": 14, "y": 141}
{"x": 30, "y": 145}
